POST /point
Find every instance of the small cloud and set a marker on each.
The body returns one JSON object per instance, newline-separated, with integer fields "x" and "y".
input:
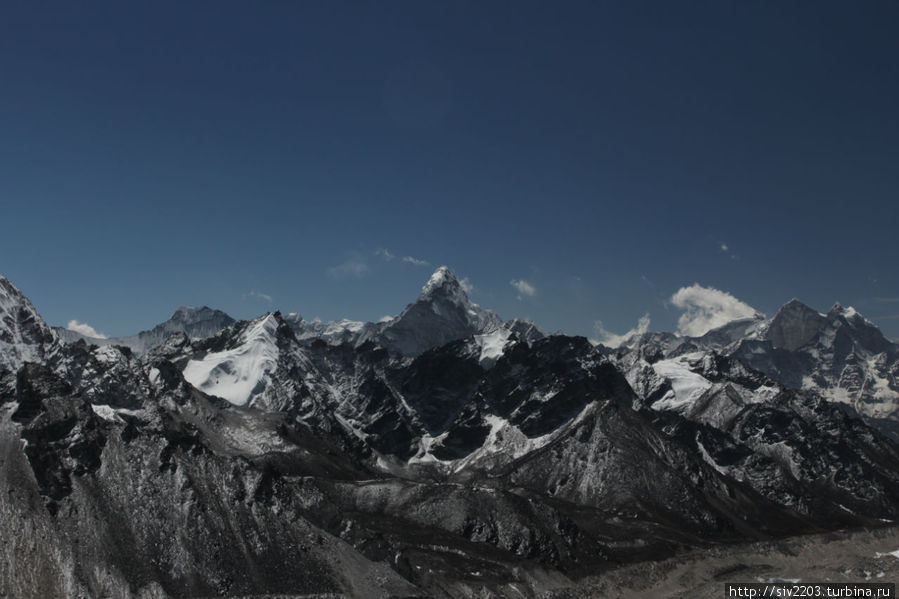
{"x": 725, "y": 249}
{"x": 354, "y": 267}
{"x": 415, "y": 261}
{"x": 467, "y": 287}
{"x": 888, "y": 317}
{"x": 886, "y": 300}
{"x": 610, "y": 339}
{"x": 385, "y": 319}
{"x": 707, "y": 308}
{"x": 259, "y": 294}
{"x": 385, "y": 254}
{"x": 523, "y": 287}
{"x": 388, "y": 256}
{"x": 85, "y": 329}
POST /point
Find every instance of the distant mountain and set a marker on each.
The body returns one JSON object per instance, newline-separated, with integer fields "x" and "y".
{"x": 442, "y": 453}
{"x": 196, "y": 323}
{"x": 442, "y": 313}
{"x": 840, "y": 356}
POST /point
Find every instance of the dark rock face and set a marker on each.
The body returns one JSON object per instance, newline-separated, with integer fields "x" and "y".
{"x": 794, "y": 325}
{"x": 29, "y": 387}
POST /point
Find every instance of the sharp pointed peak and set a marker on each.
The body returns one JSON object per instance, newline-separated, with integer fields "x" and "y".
{"x": 443, "y": 278}
{"x": 9, "y": 286}
{"x": 795, "y": 306}
{"x": 795, "y": 303}
{"x": 11, "y": 295}
{"x": 442, "y": 273}
{"x": 182, "y": 310}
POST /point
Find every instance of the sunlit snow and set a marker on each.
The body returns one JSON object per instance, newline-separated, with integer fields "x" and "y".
{"x": 687, "y": 385}
{"x": 238, "y": 374}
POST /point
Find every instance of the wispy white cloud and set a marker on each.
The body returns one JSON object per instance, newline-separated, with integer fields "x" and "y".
{"x": 388, "y": 256}
{"x": 385, "y": 254}
{"x": 724, "y": 247}
{"x": 467, "y": 287}
{"x": 886, "y": 300}
{"x": 260, "y": 295}
{"x": 415, "y": 261}
{"x": 85, "y": 329}
{"x": 524, "y": 288}
{"x": 610, "y": 339}
{"x": 354, "y": 267}
{"x": 706, "y": 308}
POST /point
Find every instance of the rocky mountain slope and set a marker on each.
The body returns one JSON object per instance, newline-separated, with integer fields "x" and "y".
{"x": 24, "y": 336}
{"x": 444, "y": 453}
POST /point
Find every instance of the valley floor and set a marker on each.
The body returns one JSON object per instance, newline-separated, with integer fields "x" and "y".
{"x": 858, "y": 556}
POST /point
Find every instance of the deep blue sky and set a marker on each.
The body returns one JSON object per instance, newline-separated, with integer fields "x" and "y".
{"x": 164, "y": 153}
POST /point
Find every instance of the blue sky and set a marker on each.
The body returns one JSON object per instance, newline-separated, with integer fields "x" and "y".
{"x": 260, "y": 155}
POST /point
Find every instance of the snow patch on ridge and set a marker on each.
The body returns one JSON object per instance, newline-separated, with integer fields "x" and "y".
{"x": 504, "y": 439}
{"x": 687, "y": 386}
{"x": 492, "y": 345}
{"x": 238, "y": 375}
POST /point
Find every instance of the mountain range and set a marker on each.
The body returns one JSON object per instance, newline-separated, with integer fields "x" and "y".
{"x": 440, "y": 453}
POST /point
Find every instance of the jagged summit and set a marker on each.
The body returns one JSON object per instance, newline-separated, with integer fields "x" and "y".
{"x": 847, "y": 312}
{"x": 442, "y": 313}
{"x": 444, "y": 284}
{"x": 443, "y": 278}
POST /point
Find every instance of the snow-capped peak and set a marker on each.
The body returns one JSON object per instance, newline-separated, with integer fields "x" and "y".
{"x": 442, "y": 313}
{"x": 847, "y": 312}
{"x": 443, "y": 278}
{"x": 444, "y": 289}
